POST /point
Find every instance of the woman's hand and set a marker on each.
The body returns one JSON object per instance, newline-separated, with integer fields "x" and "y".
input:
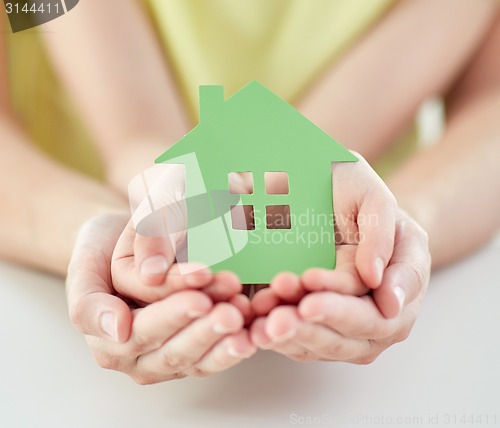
{"x": 183, "y": 334}
{"x": 328, "y": 325}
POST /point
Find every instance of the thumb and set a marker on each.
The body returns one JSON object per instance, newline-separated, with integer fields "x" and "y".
{"x": 159, "y": 221}
{"x": 93, "y": 308}
{"x": 376, "y": 225}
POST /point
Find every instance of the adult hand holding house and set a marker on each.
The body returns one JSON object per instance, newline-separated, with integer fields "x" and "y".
{"x": 370, "y": 301}
{"x": 183, "y": 334}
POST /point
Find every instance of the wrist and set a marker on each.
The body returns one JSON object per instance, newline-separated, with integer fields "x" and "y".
{"x": 132, "y": 159}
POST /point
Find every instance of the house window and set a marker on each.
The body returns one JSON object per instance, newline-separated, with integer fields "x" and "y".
{"x": 276, "y": 183}
{"x": 278, "y": 217}
{"x": 277, "y": 211}
{"x": 240, "y": 183}
{"x": 242, "y": 217}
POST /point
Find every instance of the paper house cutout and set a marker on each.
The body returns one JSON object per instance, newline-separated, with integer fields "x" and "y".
{"x": 257, "y": 132}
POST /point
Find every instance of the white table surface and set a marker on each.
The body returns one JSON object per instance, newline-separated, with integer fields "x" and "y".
{"x": 447, "y": 369}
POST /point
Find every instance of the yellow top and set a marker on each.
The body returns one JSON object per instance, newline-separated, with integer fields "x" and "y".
{"x": 284, "y": 44}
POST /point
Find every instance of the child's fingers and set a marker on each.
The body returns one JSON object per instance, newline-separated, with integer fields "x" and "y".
{"x": 159, "y": 219}
{"x": 243, "y": 304}
{"x": 154, "y": 251}
{"x": 180, "y": 276}
{"x": 287, "y": 287}
{"x": 365, "y": 207}
{"x": 344, "y": 279}
{"x": 264, "y": 301}
{"x": 376, "y": 224}
{"x": 224, "y": 286}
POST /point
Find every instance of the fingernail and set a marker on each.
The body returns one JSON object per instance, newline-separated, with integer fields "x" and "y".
{"x": 222, "y": 329}
{"x": 155, "y": 265}
{"x": 194, "y": 314}
{"x": 400, "y": 295}
{"x": 285, "y": 336}
{"x": 108, "y": 325}
{"x": 379, "y": 269}
{"x": 315, "y": 318}
{"x": 233, "y": 352}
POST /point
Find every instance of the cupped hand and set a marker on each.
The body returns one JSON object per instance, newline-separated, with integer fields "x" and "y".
{"x": 365, "y": 220}
{"x": 329, "y": 325}
{"x": 184, "y": 334}
{"x": 149, "y": 259}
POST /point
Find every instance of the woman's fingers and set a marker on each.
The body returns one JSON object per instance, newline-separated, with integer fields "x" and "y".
{"x": 285, "y": 332}
{"x": 350, "y": 316}
{"x": 226, "y": 353}
{"x": 189, "y": 345}
{"x": 407, "y": 276}
{"x": 93, "y": 308}
{"x": 161, "y": 320}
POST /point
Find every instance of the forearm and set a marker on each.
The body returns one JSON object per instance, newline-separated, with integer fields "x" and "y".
{"x": 109, "y": 59}
{"x": 453, "y": 188}
{"x": 371, "y": 96}
{"x": 43, "y": 203}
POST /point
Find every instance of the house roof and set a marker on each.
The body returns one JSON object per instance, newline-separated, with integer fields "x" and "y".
{"x": 255, "y": 123}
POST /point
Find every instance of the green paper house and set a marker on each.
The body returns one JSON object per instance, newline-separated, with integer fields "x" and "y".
{"x": 257, "y": 133}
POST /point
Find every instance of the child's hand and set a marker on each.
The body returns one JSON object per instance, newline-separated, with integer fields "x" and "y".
{"x": 365, "y": 218}
{"x": 144, "y": 264}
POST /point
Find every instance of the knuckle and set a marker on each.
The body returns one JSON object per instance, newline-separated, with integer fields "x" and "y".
{"x": 418, "y": 275}
{"x": 152, "y": 378}
{"x": 176, "y": 361}
{"x": 221, "y": 360}
{"x": 144, "y": 341}
{"x": 402, "y": 334}
{"x": 372, "y": 329}
{"x": 366, "y": 359}
{"x": 380, "y": 330}
{"x": 196, "y": 371}
{"x": 333, "y": 349}
{"x": 302, "y": 356}
{"x": 143, "y": 379}
{"x": 106, "y": 361}
{"x": 74, "y": 314}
